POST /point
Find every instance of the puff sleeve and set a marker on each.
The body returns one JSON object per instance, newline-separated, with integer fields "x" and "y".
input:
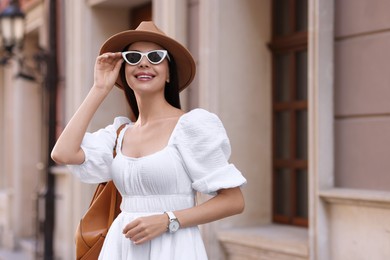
{"x": 205, "y": 150}
{"x": 98, "y": 150}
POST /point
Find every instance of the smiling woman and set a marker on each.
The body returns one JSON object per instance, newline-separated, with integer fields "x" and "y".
{"x": 164, "y": 155}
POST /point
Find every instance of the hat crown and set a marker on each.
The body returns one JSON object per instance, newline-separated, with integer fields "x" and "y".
{"x": 149, "y": 26}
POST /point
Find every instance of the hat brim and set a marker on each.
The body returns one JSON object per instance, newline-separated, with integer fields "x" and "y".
{"x": 185, "y": 63}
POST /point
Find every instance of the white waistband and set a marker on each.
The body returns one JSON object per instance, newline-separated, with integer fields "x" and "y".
{"x": 156, "y": 203}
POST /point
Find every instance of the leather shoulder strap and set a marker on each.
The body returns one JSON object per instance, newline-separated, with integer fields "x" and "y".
{"x": 116, "y": 140}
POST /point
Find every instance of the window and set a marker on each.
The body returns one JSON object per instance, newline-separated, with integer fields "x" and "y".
{"x": 289, "y": 106}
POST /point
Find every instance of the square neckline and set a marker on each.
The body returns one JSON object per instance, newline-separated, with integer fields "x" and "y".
{"x": 123, "y": 131}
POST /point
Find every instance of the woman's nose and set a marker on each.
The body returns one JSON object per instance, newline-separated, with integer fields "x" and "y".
{"x": 144, "y": 62}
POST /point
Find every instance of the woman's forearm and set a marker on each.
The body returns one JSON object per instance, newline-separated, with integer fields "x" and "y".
{"x": 228, "y": 202}
{"x": 67, "y": 149}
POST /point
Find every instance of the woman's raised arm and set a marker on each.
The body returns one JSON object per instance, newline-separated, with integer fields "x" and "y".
{"x": 67, "y": 150}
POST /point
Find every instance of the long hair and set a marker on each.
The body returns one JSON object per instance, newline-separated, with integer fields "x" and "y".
{"x": 171, "y": 90}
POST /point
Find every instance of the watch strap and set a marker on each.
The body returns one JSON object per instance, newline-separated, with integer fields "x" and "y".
{"x": 171, "y": 216}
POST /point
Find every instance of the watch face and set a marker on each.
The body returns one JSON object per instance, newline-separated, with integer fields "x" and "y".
{"x": 174, "y": 226}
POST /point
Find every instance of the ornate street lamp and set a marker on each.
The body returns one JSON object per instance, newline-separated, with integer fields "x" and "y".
{"x": 12, "y": 26}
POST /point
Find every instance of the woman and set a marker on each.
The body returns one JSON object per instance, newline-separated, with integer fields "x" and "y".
{"x": 163, "y": 154}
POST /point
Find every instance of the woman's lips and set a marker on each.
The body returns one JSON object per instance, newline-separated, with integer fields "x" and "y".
{"x": 144, "y": 76}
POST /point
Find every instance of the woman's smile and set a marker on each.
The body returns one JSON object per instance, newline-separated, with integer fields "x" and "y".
{"x": 144, "y": 76}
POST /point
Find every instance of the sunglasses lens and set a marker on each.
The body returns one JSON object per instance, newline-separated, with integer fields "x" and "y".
{"x": 133, "y": 57}
{"x": 156, "y": 56}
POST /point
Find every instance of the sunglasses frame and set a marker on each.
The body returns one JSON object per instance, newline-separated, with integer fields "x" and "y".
{"x": 145, "y": 54}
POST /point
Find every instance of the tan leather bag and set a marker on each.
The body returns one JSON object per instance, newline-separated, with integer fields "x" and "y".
{"x": 94, "y": 225}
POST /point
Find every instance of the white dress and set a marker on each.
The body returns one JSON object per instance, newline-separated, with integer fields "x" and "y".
{"x": 195, "y": 159}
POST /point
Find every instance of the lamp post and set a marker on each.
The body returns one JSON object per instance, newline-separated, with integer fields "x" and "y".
{"x": 12, "y": 27}
{"x": 12, "y": 32}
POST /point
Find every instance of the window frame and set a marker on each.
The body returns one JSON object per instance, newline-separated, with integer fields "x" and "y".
{"x": 290, "y": 43}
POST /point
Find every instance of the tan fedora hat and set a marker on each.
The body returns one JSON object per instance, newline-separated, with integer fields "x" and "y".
{"x": 149, "y": 32}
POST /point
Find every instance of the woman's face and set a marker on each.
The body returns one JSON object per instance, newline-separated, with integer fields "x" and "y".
{"x": 147, "y": 77}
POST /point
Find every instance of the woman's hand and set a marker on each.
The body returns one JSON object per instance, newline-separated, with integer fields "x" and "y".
{"x": 107, "y": 67}
{"x": 228, "y": 202}
{"x": 144, "y": 229}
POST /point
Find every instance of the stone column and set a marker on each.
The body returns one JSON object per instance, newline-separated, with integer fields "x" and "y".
{"x": 321, "y": 122}
{"x": 171, "y": 16}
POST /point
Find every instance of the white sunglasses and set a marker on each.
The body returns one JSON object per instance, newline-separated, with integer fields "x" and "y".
{"x": 155, "y": 57}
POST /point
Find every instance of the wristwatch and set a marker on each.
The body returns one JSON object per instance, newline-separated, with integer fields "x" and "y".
{"x": 174, "y": 224}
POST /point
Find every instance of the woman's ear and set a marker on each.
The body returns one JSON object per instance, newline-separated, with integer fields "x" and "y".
{"x": 167, "y": 80}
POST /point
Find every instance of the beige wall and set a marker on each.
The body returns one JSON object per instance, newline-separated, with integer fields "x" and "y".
{"x": 359, "y": 232}
{"x": 243, "y": 69}
{"x": 22, "y": 141}
{"x": 2, "y": 130}
{"x": 362, "y": 107}
{"x": 358, "y": 216}
{"x": 234, "y": 82}
{"x": 349, "y": 220}
{"x": 192, "y": 91}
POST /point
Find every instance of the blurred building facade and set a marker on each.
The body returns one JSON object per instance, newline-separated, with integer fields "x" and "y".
{"x": 302, "y": 88}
